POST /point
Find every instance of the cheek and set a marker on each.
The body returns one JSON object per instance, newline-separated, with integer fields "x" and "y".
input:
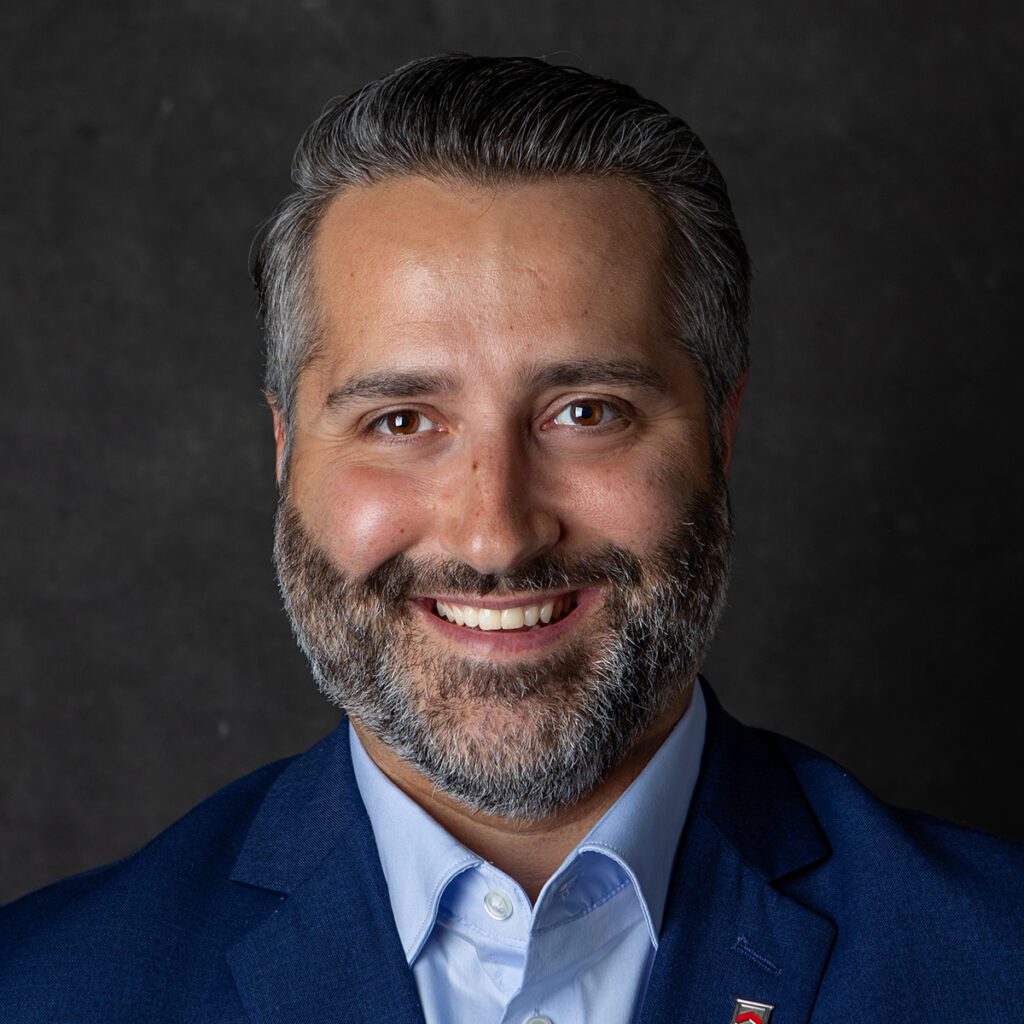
{"x": 365, "y": 516}
{"x": 632, "y": 505}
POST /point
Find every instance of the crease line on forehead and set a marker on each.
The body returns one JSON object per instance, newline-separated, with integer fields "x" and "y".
{"x": 576, "y": 372}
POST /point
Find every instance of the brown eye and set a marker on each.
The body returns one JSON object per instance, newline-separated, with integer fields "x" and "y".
{"x": 403, "y": 422}
{"x": 586, "y": 414}
{"x": 590, "y": 413}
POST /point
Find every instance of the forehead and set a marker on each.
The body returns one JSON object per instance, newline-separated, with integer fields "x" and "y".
{"x": 415, "y": 267}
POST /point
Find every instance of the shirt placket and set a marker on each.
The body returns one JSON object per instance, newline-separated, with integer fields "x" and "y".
{"x": 569, "y": 970}
{"x": 492, "y": 913}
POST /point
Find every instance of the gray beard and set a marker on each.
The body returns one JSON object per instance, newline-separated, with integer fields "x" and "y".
{"x": 519, "y": 740}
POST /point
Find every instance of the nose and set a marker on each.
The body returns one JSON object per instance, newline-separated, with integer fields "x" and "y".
{"x": 497, "y": 514}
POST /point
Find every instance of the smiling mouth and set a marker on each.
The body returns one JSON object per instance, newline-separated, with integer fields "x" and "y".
{"x": 519, "y": 617}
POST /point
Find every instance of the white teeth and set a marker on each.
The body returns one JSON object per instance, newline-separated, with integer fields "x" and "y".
{"x": 512, "y": 618}
{"x": 491, "y": 619}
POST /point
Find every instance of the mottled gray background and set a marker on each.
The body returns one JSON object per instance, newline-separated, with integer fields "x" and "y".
{"x": 874, "y": 156}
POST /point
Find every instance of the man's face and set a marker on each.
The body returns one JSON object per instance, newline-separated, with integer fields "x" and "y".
{"x": 502, "y": 542}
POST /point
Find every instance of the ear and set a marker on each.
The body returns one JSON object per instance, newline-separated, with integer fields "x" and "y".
{"x": 730, "y": 420}
{"x": 280, "y": 437}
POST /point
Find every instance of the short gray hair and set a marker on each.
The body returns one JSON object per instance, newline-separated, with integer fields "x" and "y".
{"x": 496, "y": 120}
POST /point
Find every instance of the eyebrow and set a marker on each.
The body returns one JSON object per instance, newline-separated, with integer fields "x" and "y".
{"x": 385, "y": 385}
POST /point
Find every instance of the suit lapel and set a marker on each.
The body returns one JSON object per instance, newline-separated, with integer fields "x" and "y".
{"x": 328, "y": 951}
{"x": 729, "y": 930}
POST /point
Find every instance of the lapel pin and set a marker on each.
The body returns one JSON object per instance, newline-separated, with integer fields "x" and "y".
{"x": 749, "y": 1012}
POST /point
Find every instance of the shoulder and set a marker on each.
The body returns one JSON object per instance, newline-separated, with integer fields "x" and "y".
{"x": 199, "y": 842}
{"x": 895, "y": 875}
{"x": 844, "y": 807}
{"x": 124, "y": 923}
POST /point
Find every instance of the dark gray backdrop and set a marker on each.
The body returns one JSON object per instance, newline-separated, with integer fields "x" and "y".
{"x": 873, "y": 152}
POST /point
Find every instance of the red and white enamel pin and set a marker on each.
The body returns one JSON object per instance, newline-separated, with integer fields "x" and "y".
{"x": 749, "y": 1012}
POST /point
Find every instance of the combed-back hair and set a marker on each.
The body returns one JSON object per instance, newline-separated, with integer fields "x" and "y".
{"x": 498, "y": 120}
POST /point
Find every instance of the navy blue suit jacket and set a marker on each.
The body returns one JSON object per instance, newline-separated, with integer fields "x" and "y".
{"x": 792, "y": 886}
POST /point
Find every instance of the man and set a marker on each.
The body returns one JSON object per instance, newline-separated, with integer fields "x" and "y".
{"x": 506, "y": 321}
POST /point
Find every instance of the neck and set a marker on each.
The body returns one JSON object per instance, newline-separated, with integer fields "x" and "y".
{"x": 528, "y": 851}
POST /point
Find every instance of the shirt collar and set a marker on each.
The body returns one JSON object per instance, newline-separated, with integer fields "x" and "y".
{"x": 641, "y": 829}
{"x": 418, "y": 856}
{"x": 640, "y": 832}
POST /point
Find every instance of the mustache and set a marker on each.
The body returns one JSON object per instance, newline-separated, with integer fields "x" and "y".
{"x": 402, "y": 576}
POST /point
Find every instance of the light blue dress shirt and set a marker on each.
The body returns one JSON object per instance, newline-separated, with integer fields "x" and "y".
{"x": 481, "y": 954}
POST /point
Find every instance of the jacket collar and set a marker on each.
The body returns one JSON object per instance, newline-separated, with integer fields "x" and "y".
{"x": 749, "y": 792}
{"x": 309, "y": 809}
{"x": 328, "y": 949}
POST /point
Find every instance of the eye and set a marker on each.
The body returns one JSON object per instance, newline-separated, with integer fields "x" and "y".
{"x": 589, "y": 412}
{"x": 403, "y": 422}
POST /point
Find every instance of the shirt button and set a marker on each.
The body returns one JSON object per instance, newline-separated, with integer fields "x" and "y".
{"x": 538, "y": 1020}
{"x": 499, "y": 906}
